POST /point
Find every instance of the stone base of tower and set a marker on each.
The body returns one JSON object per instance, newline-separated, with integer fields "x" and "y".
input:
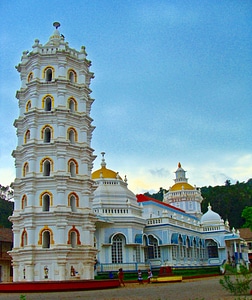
{"x": 53, "y": 264}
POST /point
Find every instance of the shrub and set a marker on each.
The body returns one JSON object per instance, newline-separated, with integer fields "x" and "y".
{"x": 238, "y": 283}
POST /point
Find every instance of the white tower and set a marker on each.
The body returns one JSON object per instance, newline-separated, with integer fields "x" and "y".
{"x": 183, "y": 195}
{"x": 53, "y": 223}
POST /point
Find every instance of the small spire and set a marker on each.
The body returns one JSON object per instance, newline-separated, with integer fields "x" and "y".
{"x": 179, "y": 165}
{"x": 56, "y": 25}
{"x": 103, "y": 163}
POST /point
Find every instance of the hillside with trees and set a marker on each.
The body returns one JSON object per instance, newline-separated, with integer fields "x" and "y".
{"x": 6, "y": 206}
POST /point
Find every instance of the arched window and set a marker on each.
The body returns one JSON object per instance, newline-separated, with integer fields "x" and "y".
{"x": 212, "y": 249}
{"x": 24, "y": 239}
{"x": 48, "y": 73}
{"x": 73, "y": 167}
{"x": 47, "y": 135}
{"x": 46, "y": 202}
{"x": 72, "y": 135}
{"x": 28, "y": 105}
{"x": 27, "y": 136}
{"x": 30, "y": 77}
{"x": 73, "y": 201}
{"x": 153, "y": 248}
{"x": 24, "y": 202}
{"x": 25, "y": 169}
{"x": 72, "y": 104}
{"x": 74, "y": 237}
{"x": 118, "y": 243}
{"x": 180, "y": 243}
{"x": 72, "y": 76}
{"x": 46, "y": 239}
{"x": 48, "y": 104}
{"x": 46, "y": 168}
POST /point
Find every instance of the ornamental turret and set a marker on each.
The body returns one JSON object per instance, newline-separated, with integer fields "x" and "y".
{"x": 53, "y": 222}
{"x": 183, "y": 195}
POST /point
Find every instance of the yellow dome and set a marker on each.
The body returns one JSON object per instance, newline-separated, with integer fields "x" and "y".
{"x": 180, "y": 186}
{"x": 103, "y": 172}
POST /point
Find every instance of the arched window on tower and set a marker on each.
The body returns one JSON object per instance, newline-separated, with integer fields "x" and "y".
{"x": 25, "y": 169}
{"x": 27, "y": 136}
{"x": 72, "y": 104}
{"x": 73, "y": 167}
{"x": 46, "y": 168}
{"x": 24, "y": 239}
{"x": 72, "y": 76}
{"x": 47, "y": 135}
{"x": 46, "y": 202}
{"x": 28, "y": 105}
{"x": 118, "y": 243}
{"x": 46, "y": 239}
{"x": 30, "y": 77}
{"x": 73, "y": 203}
{"x": 24, "y": 202}
{"x": 48, "y": 74}
{"x": 48, "y": 104}
{"x": 73, "y": 238}
{"x": 72, "y": 135}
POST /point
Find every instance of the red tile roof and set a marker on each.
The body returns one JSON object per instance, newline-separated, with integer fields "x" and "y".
{"x": 143, "y": 198}
{"x": 6, "y": 235}
{"x": 246, "y": 233}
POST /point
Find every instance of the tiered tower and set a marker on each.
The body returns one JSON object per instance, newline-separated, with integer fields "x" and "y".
{"x": 53, "y": 223}
{"x": 183, "y": 195}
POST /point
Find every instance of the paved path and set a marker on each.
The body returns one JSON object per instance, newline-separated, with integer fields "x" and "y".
{"x": 200, "y": 289}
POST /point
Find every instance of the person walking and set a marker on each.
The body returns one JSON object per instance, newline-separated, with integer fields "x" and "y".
{"x": 139, "y": 277}
{"x": 149, "y": 275}
{"x": 121, "y": 277}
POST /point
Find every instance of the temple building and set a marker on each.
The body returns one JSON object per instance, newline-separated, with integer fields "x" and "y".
{"x": 71, "y": 222}
{"x": 135, "y": 232}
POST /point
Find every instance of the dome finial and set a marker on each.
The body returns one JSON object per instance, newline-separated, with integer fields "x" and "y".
{"x": 103, "y": 163}
{"x": 56, "y": 25}
{"x": 179, "y": 165}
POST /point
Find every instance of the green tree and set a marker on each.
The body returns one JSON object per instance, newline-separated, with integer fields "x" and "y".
{"x": 6, "y": 205}
{"x": 247, "y": 215}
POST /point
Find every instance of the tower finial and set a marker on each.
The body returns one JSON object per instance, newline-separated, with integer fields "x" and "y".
{"x": 103, "y": 163}
{"x": 56, "y": 25}
{"x": 179, "y": 165}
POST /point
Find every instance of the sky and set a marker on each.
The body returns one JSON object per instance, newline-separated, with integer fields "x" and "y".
{"x": 172, "y": 84}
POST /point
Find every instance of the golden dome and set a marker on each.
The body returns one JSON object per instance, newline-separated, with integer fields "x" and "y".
{"x": 103, "y": 172}
{"x": 181, "y": 185}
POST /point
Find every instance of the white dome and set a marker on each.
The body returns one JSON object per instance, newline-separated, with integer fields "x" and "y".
{"x": 210, "y": 217}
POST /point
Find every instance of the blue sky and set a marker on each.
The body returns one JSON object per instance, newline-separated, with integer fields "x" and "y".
{"x": 172, "y": 84}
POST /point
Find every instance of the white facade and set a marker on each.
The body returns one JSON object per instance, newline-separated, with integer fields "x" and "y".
{"x": 53, "y": 222}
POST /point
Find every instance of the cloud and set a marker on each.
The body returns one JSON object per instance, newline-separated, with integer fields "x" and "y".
{"x": 162, "y": 172}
